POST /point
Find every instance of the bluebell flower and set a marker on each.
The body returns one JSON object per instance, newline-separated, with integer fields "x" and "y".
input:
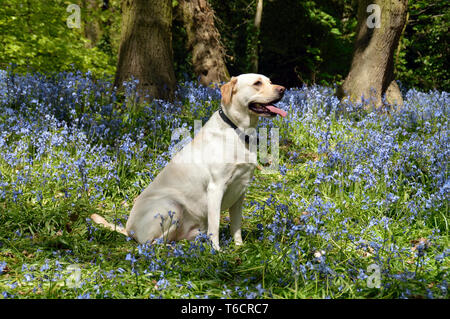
{"x": 87, "y": 295}
{"x": 2, "y": 266}
{"x": 162, "y": 284}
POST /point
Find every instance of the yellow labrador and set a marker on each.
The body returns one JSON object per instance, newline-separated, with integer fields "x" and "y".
{"x": 206, "y": 177}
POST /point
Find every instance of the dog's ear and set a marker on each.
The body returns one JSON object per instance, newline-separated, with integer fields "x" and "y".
{"x": 227, "y": 91}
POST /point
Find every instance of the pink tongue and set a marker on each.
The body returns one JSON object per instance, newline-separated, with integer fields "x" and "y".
{"x": 276, "y": 110}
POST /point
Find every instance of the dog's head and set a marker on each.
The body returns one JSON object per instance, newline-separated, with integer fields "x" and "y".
{"x": 253, "y": 95}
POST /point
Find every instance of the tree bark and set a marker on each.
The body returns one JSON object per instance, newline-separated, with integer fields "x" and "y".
{"x": 145, "y": 51}
{"x": 372, "y": 69}
{"x": 203, "y": 40}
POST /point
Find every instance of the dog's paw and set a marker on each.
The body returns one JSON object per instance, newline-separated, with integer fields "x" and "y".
{"x": 216, "y": 247}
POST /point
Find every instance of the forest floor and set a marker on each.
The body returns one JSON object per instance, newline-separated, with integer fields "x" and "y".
{"x": 358, "y": 207}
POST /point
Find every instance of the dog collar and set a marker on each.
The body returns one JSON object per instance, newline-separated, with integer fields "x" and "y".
{"x": 234, "y": 126}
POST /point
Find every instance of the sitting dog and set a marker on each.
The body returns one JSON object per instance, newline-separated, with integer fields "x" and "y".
{"x": 206, "y": 176}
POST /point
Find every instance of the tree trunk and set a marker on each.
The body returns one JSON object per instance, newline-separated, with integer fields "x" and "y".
{"x": 203, "y": 40}
{"x": 145, "y": 51}
{"x": 372, "y": 70}
{"x": 258, "y": 18}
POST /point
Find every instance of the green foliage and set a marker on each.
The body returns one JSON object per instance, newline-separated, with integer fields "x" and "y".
{"x": 423, "y": 58}
{"x": 304, "y": 42}
{"x": 35, "y": 36}
{"x": 299, "y": 42}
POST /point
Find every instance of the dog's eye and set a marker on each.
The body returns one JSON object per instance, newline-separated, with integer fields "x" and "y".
{"x": 257, "y": 83}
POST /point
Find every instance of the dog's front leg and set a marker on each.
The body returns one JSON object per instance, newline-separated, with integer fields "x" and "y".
{"x": 215, "y": 195}
{"x": 235, "y": 219}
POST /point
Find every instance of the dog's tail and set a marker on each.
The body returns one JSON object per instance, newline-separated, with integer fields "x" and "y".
{"x": 101, "y": 221}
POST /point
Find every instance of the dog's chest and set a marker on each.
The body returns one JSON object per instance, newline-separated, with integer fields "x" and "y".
{"x": 236, "y": 183}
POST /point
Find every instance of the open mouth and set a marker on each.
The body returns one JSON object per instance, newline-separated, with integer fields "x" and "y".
{"x": 267, "y": 109}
